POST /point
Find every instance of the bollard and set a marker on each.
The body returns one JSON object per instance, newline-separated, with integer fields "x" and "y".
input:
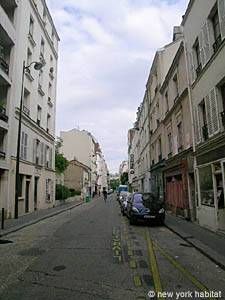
{"x": 3, "y": 218}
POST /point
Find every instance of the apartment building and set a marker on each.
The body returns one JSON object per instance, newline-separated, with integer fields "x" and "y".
{"x": 27, "y": 35}
{"x": 204, "y": 33}
{"x": 102, "y": 172}
{"x": 82, "y": 146}
{"x": 177, "y": 127}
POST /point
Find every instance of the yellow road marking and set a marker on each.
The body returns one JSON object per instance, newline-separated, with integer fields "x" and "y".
{"x": 137, "y": 281}
{"x": 153, "y": 264}
{"x": 185, "y": 272}
{"x": 133, "y": 264}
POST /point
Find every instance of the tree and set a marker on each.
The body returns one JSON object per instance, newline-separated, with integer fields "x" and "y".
{"x": 114, "y": 183}
{"x": 124, "y": 178}
{"x": 61, "y": 163}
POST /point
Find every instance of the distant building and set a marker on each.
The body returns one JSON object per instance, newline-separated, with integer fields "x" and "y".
{"x": 123, "y": 168}
{"x": 77, "y": 177}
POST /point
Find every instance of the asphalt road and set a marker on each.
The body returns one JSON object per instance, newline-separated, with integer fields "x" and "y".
{"x": 92, "y": 252}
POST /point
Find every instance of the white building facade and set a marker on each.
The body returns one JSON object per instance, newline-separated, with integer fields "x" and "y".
{"x": 204, "y": 33}
{"x": 27, "y": 35}
{"x": 102, "y": 172}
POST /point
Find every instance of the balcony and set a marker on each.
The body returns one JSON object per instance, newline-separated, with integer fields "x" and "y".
{"x": 4, "y": 65}
{"x": 2, "y": 143}
{"x": 198, "y": 69}
{"x": 176, "y": 98}
{"x": 205, "y": 132}
{"x": 217, "y": 44}
{"x": 26, "y": 110}
{"x": 223, "y": 118}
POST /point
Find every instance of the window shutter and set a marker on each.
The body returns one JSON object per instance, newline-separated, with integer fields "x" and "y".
{"x": 192, "y": 73}
{"x": 25, "y": 146}
{"x": 209, "y": 114}
{"x": 22, "y": 145}
{"x": 214, "y": 111}
{"x": 45, "y": 155}
{"x": 197, "y": 126}
{"x": 206, "y": 39}
{"x": 42, "y": 154}
{"x": 201, "y": 48}
{"x": 34, "y": 150}
{"x": 50, "y": 158}
{"x": 221, "y": 12}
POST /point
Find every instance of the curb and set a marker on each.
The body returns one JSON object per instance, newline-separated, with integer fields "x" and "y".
{"x": 19, "y": 227}
{"x": 200, "y": 249}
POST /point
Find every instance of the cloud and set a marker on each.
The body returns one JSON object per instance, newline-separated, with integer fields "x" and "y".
{"x": 106, "y": 51}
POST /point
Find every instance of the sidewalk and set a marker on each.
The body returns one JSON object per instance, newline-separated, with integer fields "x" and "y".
{"x": 12, "y": 225}
{"x": 207, "y": 242}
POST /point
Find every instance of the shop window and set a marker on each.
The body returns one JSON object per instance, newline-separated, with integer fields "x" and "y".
{"x": 206, "y": 186}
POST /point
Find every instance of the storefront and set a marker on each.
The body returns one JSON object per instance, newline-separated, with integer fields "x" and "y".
{"x": 211, "y": 190}
{"x": 179, "y": 185}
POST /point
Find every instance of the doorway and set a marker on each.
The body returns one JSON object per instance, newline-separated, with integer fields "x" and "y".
{"x": 219, "y": 193}
{"x": 35, "y": 191}
{"x": 27, "y": 194}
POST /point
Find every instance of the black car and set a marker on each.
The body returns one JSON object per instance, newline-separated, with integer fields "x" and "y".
{"x": 145, "y": 207}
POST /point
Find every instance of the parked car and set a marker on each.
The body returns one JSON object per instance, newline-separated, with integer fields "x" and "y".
{"x": 121, "y": 188}
{"x": 124, "y": 203}
{"x": 122, "y": 196}
{"x": 146, "y": 208}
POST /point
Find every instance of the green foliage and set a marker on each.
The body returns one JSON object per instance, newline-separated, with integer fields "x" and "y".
{"x": 61, "y": 163}
{"x": 124, "y": 178}
{"x": 114, "y": 183}
{"x": 62, "y": 192}
{"x": 58, "y": 144}
{"x": 73, "y": 193}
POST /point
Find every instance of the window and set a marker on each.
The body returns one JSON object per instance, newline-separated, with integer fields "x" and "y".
{"x": 37, "y": 152}
{"x": 180, "y": 136}
{"x": 197, "y": 57}
{"x": 176, "y": 90}
{"x": 206, "y": 186}
{"x": 26, "y": 102}
{"x": 31, "y": 27}
{"x": 29, "y": 58}
{"x": 23, "y": 148}
{"x": 222, "y": 90}
{"x": 48, "y": 190}
{"x": 170, "y": 145}
{"x": 167, "y": 102}
{"x": 216, "y": 30}
{"x": 44, "y": 16}
{"x": 42, "y": 49}
{"x": 40, "y": 79}
{"x": 39, "y": 110}
{"x": 50, "y": 90}
{"x": 48, "y": 122}
{"x": 160, "y": 148}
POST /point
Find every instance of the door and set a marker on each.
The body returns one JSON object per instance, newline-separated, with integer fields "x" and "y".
{"x": 220, "y": 186}
{"x": 27, "y": 199}
{"x": 35, "y": 192}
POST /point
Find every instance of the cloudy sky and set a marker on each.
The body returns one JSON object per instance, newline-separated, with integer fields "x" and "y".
{"x": 106, "y": 51}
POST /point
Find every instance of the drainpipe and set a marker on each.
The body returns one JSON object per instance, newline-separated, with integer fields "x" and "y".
{"x": 190, "y": 100}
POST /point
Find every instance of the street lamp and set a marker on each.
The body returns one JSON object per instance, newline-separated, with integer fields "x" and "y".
{"x": 37, "y": 66}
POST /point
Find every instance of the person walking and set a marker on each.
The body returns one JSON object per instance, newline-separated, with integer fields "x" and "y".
{"x": 104, "y": 192}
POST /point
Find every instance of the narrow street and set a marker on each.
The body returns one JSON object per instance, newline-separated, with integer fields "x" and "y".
{"x": 91, "y": 252}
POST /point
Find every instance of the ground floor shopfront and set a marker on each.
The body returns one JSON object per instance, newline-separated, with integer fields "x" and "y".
{"x": 179, "y": 185}
{"x": 210, "y": 171}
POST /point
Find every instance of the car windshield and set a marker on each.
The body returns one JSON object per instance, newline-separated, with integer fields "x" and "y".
{"x": 138, "y": 198}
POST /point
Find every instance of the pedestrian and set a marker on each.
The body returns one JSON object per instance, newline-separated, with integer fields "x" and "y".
{"x": 104, "y": 192}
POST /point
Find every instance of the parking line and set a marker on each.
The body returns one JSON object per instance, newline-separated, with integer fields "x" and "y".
{"x": 185, "y": 272}
{"x": 153, "y": 263}
{"x": 137, "y": 281}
